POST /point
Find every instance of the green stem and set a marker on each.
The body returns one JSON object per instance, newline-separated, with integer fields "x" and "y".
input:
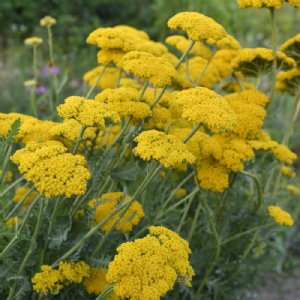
{"x": 190, "y": 135}
{"x": 117, "y": 84}
{"x": 258, "y": 187}
{"x": 35, "y": 77}
{"x": 158, "y": 97}
{"x": 194, "y": 223}
{"x": 186, "y": 210}
{"x": 29, "y": 251}
{"x": 79, "y": 139}
{"x": 11, "y": 186}
{"x": 217, "y": 252}
{"x": 274, "y": 41}
{"x": 22, "y": 200}
{"x": 203, "y": 71}
{"x": 185, "y": 54}
{"x": 88, "y": 94}
{"x": 105, "y": 292}
{"x": 5, "y": 163}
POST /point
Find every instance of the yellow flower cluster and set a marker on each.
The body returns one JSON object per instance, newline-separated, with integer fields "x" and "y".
{"x": 107, "y": 203}
{"x": 291, "y": 47}
{"x": 86, "y": 112}
{"x": 288, "y": 171}
{"x": 203, "y": 106}
{"x": 147, "y": 268}
{"x": 33, "y": 41}
{"x": 11, "y": 222}
{"x": 52, "y": 281}
{"x": 197, "y": 26}
{"x": 53, "y": 171}
{"x": 295, "y": 3}
{"x": 20, "y": 193}
{"x": 251, "y": 62}
{"x": 157, "y": 70}
{"x": 288, "y": 81}
{"x": 124, "y": 101}
{"x": 96, "y": 283}
{"x": 47, "y": 21}
{"x": 280, "y": 216}
{"x": 260, "y": 3}
{"x": 293, "y": 189}
{"x": 168, "y": 149}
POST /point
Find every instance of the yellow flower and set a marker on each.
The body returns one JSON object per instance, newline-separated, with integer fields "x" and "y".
{"x": 47, "y": 21}
{"x": 30, "y": 83}
{"x": 181, "y": 43}
{"x": 96, "y": 282}
{"x": 228, "y": 42}
{"x": 124, "y": 101}
{"x": 280, "y": 216}
{"x": 251, "y": 62}
{"x": 168, "y": 149}
{"x": 8, "y": 176}
{"x": 180, "y": 193}
{"x": 53, "y": 171}
{"x": 11, "y": 222}
{"x": 86, "y": 112}
{"x": 203, "y": 106}
{"x": 260, "y": 3}
{"x": 20, "y": 193}
{"x": 295, "y": 3}
{"x": 147, "y": 268}
{"x": 74, "y": 272}
{"x": 161, "y": 117}
{"x": 33, "y": 41}
{"x": 106, "y": 56}
{"x": 284, "y": 154}
{"x": 157, "y": 70}
{"x": 107, "y": 203}
{"x": 294, "y": 189}
{"x": 198, "y": 26}
{"x": 291, "y": 47}
{"x": 288, "y": 81}
{"x": 288, "y": 171}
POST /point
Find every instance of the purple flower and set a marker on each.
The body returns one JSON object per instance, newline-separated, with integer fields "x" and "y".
{"x": 41, "y": 90}
{"x": 50, "y": 70}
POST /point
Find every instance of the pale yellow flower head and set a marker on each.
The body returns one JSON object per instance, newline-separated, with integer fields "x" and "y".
{"x": 47, "y": 21}
{"x": 260, "y": 3}
{"x": 197, "y": 26}
{"x": 33, "y": 41}
{"x": 289, "y": 81}
{"x": 291, "y": 47}
{"x": 280, "y": 216}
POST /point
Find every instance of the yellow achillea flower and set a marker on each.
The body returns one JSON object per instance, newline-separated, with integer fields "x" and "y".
{"x": 228, "y": 42}
{"x": 124, "y": 101}
{"x": 168, "y": 149}
{"x": 8, "y": 176}
{"x": 30, "y": 83}
{"x": 157, "y": 70}
{"x": 161, "y": 117}
{"x": 106, "y": 56}
{"x": 280, "y": 216}
{"x": 212, "y": 175}
{"x": 181, "y": 43}
{"x": 11, "y": 222}
{"x": 96, "y": 282}
{"x": 294, "y": 189}
{"x": 291, "y": 47}
{"x": 222, "y": 62}
{"x": 155, "y": 48}
{"x": 180, "y": 193}
{"x": 288, "y": 81}
{"x": 288, "y": 171}
{"x": 47, "y": 281}
{"x": 260, "y": 3}
{"x": 74, "y": 272}
{"x": 33, "y": 41}
{"x": 147, "y": 268}
{"x": 51, "y": 281}
{"x": 295, "y": 3}
{"x": 86, "y": 112}
{"x": 250, "y": 116}
{"x": 47, "y": 21}
{"x": 20, "y": 193}
{"x": 197, "y": 26}
{"x": 252, "y": 61}
{"x": 107, "y": 203}
{"x": 203, "y": 106}
{"x": 53, "y": 171}
{"x": 284, "y": 154}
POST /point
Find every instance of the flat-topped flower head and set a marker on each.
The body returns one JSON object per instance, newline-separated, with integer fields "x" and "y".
{"x": 155, "y": 48}
{"x": 47, "y": 21}
{"x": 291, "y": 48}
{"x": 86, "y": 112}
{"x": 33, "y": 41}
{"x": 260, "y": 3}
{"x": 124, "y": 101}
{"x": 228, "y": 42}
{"x": 280, "y": 216}
{"x": 108, "y": 202}
{"x": 168, "y": 149}
{"x": 251, "y": 62}
{"x": 147, "y": 268}
{"x": 157, "y": 70}
{"x": 295, "y": 3}
{"x": 289, "y": 81}
{"x": 181, "y": 43}
{"x": 106, "y": 56}
{"x": 53, "y": 171}
{"x": 197, "y": 26}
{"x": 203, "y": 106}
